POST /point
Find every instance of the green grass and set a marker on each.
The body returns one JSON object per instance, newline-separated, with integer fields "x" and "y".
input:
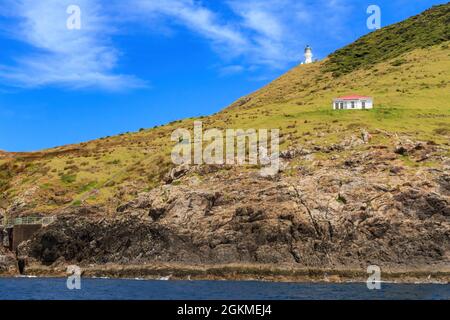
{"x": 425, "y": 30}
{"x": 410, "y": 88}
{"x": 87, "y": 187}
{"x": 68, "y": 178}
{"x": 76, "y": 203}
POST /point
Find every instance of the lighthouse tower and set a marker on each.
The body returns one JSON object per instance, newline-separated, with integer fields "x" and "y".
{"x": 308, "y": 54}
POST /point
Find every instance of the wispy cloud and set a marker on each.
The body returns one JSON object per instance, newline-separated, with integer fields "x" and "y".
{"x": 196, "y": 17}
{"x": 270, "y": 33}
{"x": 225, "y": 36}
{"x": 59, "y": 56}
{"x": 280, "y": 29}
{"x": 248, "y": 35}
{"x": 231, "y": 70}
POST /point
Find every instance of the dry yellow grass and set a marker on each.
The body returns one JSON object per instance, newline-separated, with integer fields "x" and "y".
{"x": 412, "y": 99}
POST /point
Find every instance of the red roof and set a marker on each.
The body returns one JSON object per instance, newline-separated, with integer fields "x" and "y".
{"x": 353, "y": 97}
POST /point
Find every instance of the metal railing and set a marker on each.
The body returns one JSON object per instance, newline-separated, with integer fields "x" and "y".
{"x": 29, "y": 220}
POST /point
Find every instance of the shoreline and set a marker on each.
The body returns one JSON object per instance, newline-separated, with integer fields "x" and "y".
{"x": 235, "y": 272}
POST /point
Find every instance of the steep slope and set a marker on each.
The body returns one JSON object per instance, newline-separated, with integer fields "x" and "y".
{"x": 408, "y": 80}
{"x": 340, "y": 200}
{"x": 430, "y": 28}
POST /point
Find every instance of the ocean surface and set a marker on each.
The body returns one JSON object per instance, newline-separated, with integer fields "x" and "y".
{"x": 113, "y": 289}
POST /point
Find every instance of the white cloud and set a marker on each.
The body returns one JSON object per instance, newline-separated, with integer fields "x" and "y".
{"x": 260, "y": 16}
{"x": 231, "y": 70}
{"x": 255, "y": 32}
{"x": 59, "y": 56}
{"x": 265, "y": 29}
{"x": 249, "y": 35}
{"x": 195, "y": 17}
{"x": 225, "y": 36}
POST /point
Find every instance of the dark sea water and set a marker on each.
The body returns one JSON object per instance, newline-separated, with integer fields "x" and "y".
{"x": 50, "y": 289}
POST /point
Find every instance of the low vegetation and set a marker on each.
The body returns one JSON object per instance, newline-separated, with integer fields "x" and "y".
{"x": 405, "y": 67}
{"x": 425, "y": 30}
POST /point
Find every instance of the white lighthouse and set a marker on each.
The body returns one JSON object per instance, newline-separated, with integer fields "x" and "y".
{"x": 308, "y": 55}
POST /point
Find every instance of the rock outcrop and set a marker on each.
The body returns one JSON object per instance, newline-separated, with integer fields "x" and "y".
{"x": 346, "y": 212}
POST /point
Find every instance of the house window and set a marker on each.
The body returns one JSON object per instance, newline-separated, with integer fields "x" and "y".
{"x": 342, "y": 105}
{"x": 353, "y": 104}
{"x": 336, "y": 105}
{"x": 363, "y": 103}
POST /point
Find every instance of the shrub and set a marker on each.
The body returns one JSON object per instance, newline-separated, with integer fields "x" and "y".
{"x": 68, "y": 178}
{"x": 442, "y": 131}
{"x": 398, "y": 62}
{"x": 115, "y": 162}
{"x": 422, "y": 31}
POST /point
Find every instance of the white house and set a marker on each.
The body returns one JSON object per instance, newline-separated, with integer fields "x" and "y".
{"x": 353, "y": 102}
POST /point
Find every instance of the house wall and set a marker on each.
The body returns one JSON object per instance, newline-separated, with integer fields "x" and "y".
{"x": 369, "y": 104}
{"x": 348, "y": 104}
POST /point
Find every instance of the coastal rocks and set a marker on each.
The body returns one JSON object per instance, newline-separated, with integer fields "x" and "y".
{"x": 362, "y": 207}
{"x": 444, "y": 182}
{"x": 422, "y": 203}
{"x": 23, "y": 202}
{"x": 8, "y": 262}
{"x": 288, "y": 154}
{"x": 365, "y": 136}
{"x": 351, "y": 143}
{"x": 321, "y": 220}
{"x": 19, "y": 205}
{"x": 140, "y": 204}
{"x": 401, "y": 150}
{"x": 420, "y": 151}
{"x": 181, "y": 171}
{"x": 176, "y": 173}
{"x": 446, "y": 163}
{"x": 85, "y": 210}
{"x": 118, "y": 240}
{"x": 294, "y": 152}
{"x": 175, "y": 201}
{"x": 60, "y": 200}
{"x": 4, "y": 237}
{"x": 396, "y": 170}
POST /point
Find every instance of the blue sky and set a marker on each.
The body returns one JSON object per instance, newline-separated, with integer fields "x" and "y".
{"x": 139, "y": 63}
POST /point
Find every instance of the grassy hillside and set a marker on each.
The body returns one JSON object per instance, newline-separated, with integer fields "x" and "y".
{"x": 430, "y": 28}
{"x": 409, "y": 80}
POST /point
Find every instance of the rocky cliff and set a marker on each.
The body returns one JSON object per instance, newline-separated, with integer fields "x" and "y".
{"x": 360, "y": 208}
{"x": 354, "y": 188}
